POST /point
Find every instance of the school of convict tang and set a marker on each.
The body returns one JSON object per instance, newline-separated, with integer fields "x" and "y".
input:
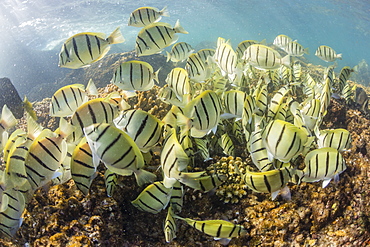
{"x": 247, "y": 95}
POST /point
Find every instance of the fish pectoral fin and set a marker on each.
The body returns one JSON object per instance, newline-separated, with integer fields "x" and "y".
{"x": 325, "y": 182}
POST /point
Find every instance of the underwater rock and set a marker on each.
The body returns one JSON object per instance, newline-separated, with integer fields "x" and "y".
{"x": 10, "y": 97}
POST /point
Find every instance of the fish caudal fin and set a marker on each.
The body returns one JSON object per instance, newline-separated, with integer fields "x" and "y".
{"x": 116, "y": 37}
{"x": 143, "y": 177}
{"x": 286, "y": 61}
{"x": 7, "y": 118}
{"x": 179, "y": 29}
{"x": 164, "y": 12}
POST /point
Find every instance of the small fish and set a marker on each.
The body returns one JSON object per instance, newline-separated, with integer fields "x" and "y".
{"x": 311, "y": 113}
{"x": 83, "y": 49}
{"x": 335, "y": 138}
{"x": 7, "y": 121}
{"x": 327, "y": 53}
{"x": 110, "y": 182}
{"x": 242, "y": 46}
{"x": 219, "y": 229}
{"x": 154, "y": 198}
{"x": 174, "y": 161}
{"x": 248, "y": 109}
{"x": 83, "y": 170}
{"x": 203, "y": 147}
{"x": 258, "y": 151}
{"x": 12, "y": 206}
{"x": 167, "y": 95}
{"x": 28, "y": 107}
{"x": 282, "y": 40}
{"x": 67, "y": 99}
{"x": 46, "y": 154}
{"x": 178, "y": 80}
{"x": 344, "y": 74}
{"x": 226, "y": 59}
{"x": 208, "y": 183}
{"x": 264, "y": 58}
{"x": 202, "y": 114}
{"x": 325, "y": 97}
{"x": 117, "y": 151}
{"x": 144, "y": 16}
{"x": 295, "y": 49}
{"x": 269, "y": 181}
{"x": 227, "y": 145}
{"x": 170, "y": 227}
{"x": 134, "y": 75}
{"x": 361, "y": 98}
{"x": 100, "y": 110}
{"x": 276, "y": 101}
{"x": 179, "y": 52}
{"x": 197, "y": 70}
{"x": 144, "y": 128}
{"x": 155, "y": 37}
{"x": 284, "y": 140}
{"x": 204, "y": 55}
{"x": 177, "y": 197}
{"x": 233, "y": 101}
{"x": 323, "y": 164}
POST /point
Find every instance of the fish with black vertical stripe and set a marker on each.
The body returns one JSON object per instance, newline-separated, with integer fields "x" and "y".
{"x": 144, "y": 16}
{"x": 83, "y": 49}
{"x": 117, "y": 151}
{"x": 154, "y": 37}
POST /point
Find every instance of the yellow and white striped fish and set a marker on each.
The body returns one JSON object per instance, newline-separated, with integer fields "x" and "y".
{"x": 311, "y": 113}
{"x": 83, "y": 49}
{"x": 207, "y": 183}
{"x": 335, "y": 138}
{"x": 13, "y": 204}
{"x": 167, "y": 95}
{"x": 344, "y": 74}
{"x": 295, "y": 49}
{"x": 117, "y": 151}
{"x": 67, "y": 99}
{"x": 101, "y": 110}
{"x": 110, "y": 181}
{"x": 7, "y": 121}
{"x": 282, "y": 40}
{"x": 202, "y": 145}
{"x": 144, "y": 128}
{"x": 258, "y": 151}
{"x": 177, "y": 197}
{"x": 227, "y": 144}
{"x": 325, "y": 97}
{"x": 197, "y": 70}
{"x": 202, "y": 114}
{"x": 153, "y": 198}
{"x": 134, "y": 75}
{"x": 204, "y": 55}
{"x": 233, "y": 104}
{"x": 83, "y": 170}
{"x": 170, "y": 227}
{"x": 283, "y": 140}
{"x": 219, "y": 229}
{"x": 261, "y": 100}
{"x": 327, "y": 53}
{"x": 174, "y": 161}
{"x": 226, "y": 59}
{"x": 179, "y": 52}
{"x": 154, "y": 37}
{"x": 46, "y": 154}
{"x": 178, "y": 80}
{"x": 264, "y": 58}
{"x": 323, "y": 164}
{"x": 248, "y": 109}
{"x": 269, "y": 181}
{"x": 242, "y": 46}
{"x": 276, "y": 101}
{"x": 146, "y": 15}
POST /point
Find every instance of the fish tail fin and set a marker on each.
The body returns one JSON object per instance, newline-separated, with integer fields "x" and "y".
{"x": 339, "y": 56}
{"x": 155, "y": 75}
{"x": 164, "y": 12}
{"x": 307, "y": 51}
{"x": 91, "y": 88}
{"x": 168, "y": 56}
{"x": 65, "y": 128}
{"x": 179, "y": 29}
{"x": 263, "y": 42}
{"x": 116, "y": 37}
{"x": 7, "y": 118}
{"x": 286, "y": 61}
{"x": 33, "y": 128}
{"x": 143, "y": 177}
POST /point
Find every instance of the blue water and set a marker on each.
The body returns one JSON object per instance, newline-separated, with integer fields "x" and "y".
{"x": 32, "y": 31}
